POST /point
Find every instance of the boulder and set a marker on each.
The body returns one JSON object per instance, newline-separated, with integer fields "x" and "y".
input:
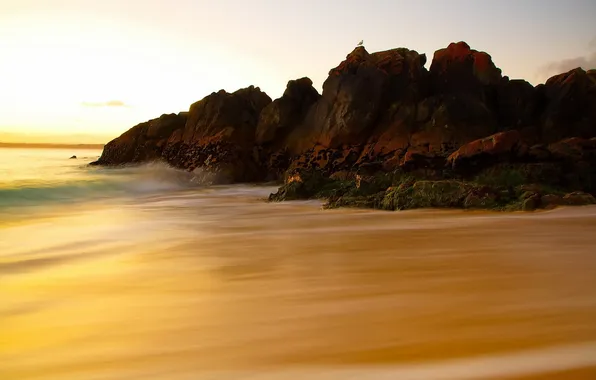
{"x": 460, "y": 69}
{"x": 478, "y": 154}
{"x": 579, "y": 198}
{"x": 531, "y": 203}
{"x": 571, "y": 106}
{"x": 573, "y": 149}
{"x": 550, "y": 201}
{"x": 518, "y": 105}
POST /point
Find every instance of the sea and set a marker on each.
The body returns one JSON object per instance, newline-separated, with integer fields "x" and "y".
{"x": 149, "y": 272}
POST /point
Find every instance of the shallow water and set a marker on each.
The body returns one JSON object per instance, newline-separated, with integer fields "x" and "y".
{"x": 191, "y": 282}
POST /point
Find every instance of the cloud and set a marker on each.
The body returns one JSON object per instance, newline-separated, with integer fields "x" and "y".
{"x": 586, "y": 62}
{"x": 110, "y": 103}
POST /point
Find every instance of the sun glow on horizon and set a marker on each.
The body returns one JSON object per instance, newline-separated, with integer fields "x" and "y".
{"x": 70, "y": 73}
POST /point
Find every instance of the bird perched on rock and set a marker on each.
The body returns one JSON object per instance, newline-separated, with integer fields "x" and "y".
{"x": 361, "y": 43}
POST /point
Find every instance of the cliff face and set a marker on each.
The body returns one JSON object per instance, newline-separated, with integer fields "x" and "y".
{"x": 378, "y": 112}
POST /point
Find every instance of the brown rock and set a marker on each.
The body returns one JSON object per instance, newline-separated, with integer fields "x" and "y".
{"x": 574, "y": 149}
{"x": 142, "y": 142}
{"x": 459, "y": 69}
{"x": 343, "y": 176}
{"x": 357, "y": 93}
{"x": 225, "y": 117}
{"x": 487, "y": 151}
{"x": 278, "y": 120}
{"x": 219, "y": 135}
{"x": 283, "y": 115}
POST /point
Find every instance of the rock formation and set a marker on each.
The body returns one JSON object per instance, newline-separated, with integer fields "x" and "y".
{"x": 385, "y": 112}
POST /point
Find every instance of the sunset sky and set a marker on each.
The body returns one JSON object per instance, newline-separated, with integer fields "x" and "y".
{"x": 85, "y": 71}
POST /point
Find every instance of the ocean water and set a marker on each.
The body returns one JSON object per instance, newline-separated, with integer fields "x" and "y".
{"x": 149, "y": 272}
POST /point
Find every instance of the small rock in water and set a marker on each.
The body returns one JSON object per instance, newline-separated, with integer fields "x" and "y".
{"x": 73, "y": 157}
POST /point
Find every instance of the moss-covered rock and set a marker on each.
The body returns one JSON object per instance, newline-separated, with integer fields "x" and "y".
{"x": 531, "y": 202}
{"x": 487, "y": 200}
{"x": 579, "y": 198}
{"x": 303, "y": 185}
{"x": 550, "y": 201}
{"x": 504, "y": 188}
{"x": 427, "y": 194}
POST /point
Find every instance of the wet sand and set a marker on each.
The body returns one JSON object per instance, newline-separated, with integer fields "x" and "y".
{"x": 218, "y": 284}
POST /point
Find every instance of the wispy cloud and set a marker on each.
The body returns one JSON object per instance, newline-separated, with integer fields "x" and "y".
{"x": 587, "y": 62}
{"x": 109, "y": 103}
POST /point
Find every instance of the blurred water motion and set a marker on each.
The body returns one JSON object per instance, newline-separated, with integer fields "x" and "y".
{"x": 217, "y": 284}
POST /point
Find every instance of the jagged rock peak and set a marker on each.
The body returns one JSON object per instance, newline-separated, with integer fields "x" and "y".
{"x": 389, "y": 61}
{"x": 459, "y": 63}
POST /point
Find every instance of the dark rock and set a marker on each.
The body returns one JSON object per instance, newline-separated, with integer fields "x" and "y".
{"x": 283, "y": 115}
{"x": 219, "y": 135}
{"x": 574, "y": 149}
{"x": 550, "y": 201}
{"x": 73, "y": 157}
{"x": 579, "y": 198}
{"x": 571, "y": 106}
{"x": 357, "y": 92}
{"x": 142, "y": 142}
{"x": 531, "y": 202}
{"x": 460, "y": 69}
{"x": 518, "y": 106}
{"x": 453, "y": 120}
{"x": 278, "y": 119}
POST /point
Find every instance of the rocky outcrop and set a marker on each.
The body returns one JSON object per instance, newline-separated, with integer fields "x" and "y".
{"x": 478, "y": 154}
{"x": 219, "y": 135}
{"x": 569, "y": 109}
{"x": 384, "y": 112}
{"x": 283, "y": 115}
{"x": 356, "y": 95}
{"x": 460, "y": 69}
{"x": 143, "y": 142}
{"x": 278, "y": 120}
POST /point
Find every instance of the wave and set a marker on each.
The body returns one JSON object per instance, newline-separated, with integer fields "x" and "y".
{"x": 88, "y": 182}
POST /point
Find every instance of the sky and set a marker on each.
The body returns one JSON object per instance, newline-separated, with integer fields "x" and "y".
{"x": 86, "y": 71}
